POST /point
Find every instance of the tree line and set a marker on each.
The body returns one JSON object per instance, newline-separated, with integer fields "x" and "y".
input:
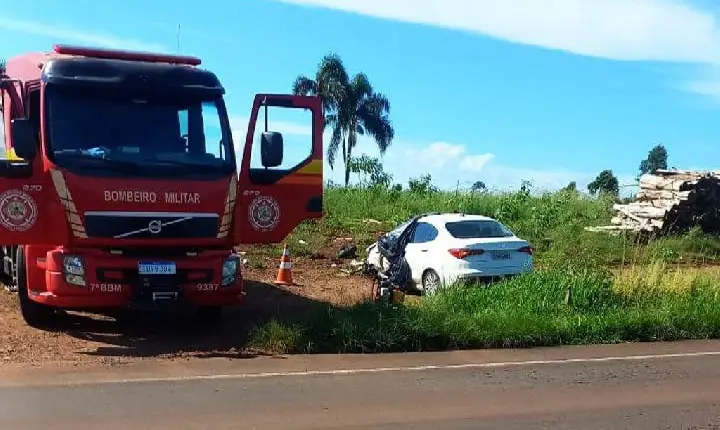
{"x": 607, "y": 183}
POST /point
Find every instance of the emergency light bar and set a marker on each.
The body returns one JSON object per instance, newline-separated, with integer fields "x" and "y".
{"x": 115, "y": 54}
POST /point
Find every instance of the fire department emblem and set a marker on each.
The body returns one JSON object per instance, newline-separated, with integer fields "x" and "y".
{"x": 18, "y": 211}
{"x": 264, "y": 213}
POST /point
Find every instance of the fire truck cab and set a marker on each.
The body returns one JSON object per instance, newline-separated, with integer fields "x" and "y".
{"x": 121, "y": 186}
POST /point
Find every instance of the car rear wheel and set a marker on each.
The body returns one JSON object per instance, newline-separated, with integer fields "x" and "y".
{"x": 430, "y": 281}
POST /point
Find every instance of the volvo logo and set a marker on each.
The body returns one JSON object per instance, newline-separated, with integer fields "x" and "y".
{"x": 155, "y": 226}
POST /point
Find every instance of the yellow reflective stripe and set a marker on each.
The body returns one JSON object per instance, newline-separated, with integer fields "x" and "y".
{"x": 315, "y": 167}
{"x": 10, "y": 154}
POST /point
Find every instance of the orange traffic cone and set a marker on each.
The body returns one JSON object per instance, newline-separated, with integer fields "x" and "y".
{"x": 284, "y": 276}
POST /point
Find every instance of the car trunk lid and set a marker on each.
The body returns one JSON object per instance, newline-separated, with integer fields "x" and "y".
{"x": 495, "y": 253}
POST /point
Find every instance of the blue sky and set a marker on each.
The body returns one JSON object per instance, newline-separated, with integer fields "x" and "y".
{"x": 493, "y": 90}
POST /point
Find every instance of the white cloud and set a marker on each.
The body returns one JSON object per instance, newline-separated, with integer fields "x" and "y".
{"x": 629, "y": 30}
{"x": 454, "y": 165}
{"x": 475, "y": 163}
{"x": 664, "y": 30}
{"x": 499, "y": 176}
{"x": 66, "y": 34}
{"x": 708, "y": 86}
{"x": 451, "y": 165}
{"x": 443, "y": 155}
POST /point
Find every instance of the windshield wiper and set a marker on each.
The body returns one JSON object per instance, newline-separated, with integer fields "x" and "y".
{"x": 187, "y": 163}
{"x": 179, "y": 163}
{"x": 101, "y": 158}
{"x": 94, "y": 160}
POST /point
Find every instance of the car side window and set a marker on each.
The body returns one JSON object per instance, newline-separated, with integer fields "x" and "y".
{"x": 424, "y": 233}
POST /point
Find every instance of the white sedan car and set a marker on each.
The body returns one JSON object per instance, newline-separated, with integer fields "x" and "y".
{"x": 446, "y": 248}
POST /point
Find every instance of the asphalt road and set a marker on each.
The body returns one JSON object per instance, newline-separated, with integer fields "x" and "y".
{"x": 632, "y": 387}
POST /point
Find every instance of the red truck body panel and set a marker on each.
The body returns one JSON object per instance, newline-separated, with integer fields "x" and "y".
{"x": 267, "y": 211}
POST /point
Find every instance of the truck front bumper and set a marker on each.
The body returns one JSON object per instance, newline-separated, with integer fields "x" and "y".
{"x": 116, "y": 281}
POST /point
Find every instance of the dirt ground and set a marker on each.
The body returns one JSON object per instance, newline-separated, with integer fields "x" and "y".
{"x": 93, "y": 339}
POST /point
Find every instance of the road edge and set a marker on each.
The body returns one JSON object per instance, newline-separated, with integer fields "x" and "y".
{"x": 309, "y": 365}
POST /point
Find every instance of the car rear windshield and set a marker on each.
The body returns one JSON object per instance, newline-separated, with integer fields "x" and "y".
{"x": 477, "y": 229}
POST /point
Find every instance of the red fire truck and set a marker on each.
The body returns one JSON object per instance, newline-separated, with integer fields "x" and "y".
{"x": 120, "y": 186}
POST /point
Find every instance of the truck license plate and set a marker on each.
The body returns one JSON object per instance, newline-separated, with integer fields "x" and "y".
{"x": 156, "y": 268}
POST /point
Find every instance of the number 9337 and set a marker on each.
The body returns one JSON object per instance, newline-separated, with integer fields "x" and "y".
{"x": 207, "y": 287}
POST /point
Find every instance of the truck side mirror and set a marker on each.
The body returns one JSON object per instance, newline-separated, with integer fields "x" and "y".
{"x": 271, "y": 149}
{"x": 23, "y": 138}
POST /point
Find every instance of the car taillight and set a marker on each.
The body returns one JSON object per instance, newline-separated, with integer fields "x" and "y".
{"x": 462, "y": 253}
{"x": 526, "y": 249}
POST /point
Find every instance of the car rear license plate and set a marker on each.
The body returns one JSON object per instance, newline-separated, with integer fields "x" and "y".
{"x": 500, "y": 255}
{"x": 156, "y": 268}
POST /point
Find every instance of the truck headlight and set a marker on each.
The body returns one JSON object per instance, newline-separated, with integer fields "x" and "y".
{"x": 74, "y": 270}
{"x": 230, "y": 269}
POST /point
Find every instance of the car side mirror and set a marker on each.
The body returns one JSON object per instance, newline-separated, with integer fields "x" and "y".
{"x": 271, "y": 149}
{"x": 23, "y": 138}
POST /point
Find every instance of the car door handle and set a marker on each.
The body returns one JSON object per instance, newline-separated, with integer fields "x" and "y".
{"x": 423, "y": 250}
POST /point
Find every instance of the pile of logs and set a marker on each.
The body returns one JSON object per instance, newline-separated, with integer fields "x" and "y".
{"x": 671, "y": 201}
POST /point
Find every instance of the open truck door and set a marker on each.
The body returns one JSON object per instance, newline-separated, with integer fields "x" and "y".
{"x": 280, "y": 183}
{"x": 22, "y": 202}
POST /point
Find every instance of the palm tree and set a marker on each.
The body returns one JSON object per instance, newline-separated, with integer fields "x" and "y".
{"x": 352, "y": 108}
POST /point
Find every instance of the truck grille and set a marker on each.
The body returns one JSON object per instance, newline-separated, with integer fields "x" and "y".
{"x": 157, "y": 225}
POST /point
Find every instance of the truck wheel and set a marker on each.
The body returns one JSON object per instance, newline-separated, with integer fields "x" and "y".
{"x": 209, "y": 314}
{"x": 35, "y": 314}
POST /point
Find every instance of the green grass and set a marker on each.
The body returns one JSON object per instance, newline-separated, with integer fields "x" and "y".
{"x": 527, "y": 311}
{"x": 621, "y": 289}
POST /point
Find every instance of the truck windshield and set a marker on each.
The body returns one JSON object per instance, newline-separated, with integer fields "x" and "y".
{"x": 155, "y": 135}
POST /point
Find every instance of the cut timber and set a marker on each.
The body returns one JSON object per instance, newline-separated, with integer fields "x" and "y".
{"x": 640, "y": 212}
{"x": 674, "y": 183}
{"x": 671, "y": 201}
{"x": 653, "y": 195}
{"x": 611, "y": 229}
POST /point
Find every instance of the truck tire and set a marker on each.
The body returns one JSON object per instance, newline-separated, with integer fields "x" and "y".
{"x": 35, "y": 314}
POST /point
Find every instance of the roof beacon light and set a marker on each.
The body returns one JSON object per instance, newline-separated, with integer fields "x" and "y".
{"x": 115, "y": 54}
